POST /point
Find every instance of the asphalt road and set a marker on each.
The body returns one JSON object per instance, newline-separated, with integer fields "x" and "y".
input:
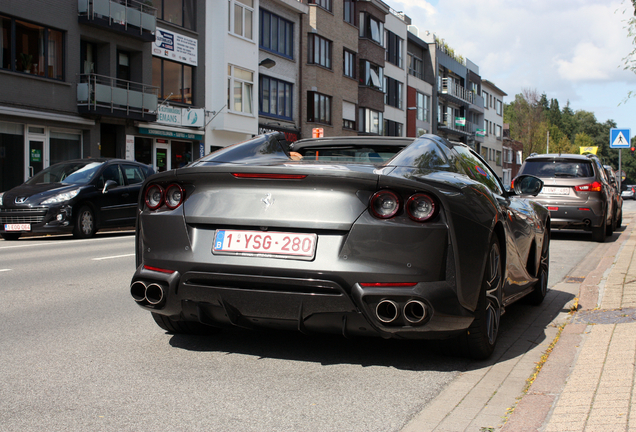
{"x": 76, "y": 353}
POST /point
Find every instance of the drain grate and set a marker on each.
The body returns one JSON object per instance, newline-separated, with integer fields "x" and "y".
{"x": 616, "y": 316}
{"x": 574, "y": 279}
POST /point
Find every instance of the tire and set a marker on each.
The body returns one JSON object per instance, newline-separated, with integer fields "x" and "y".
{"x": 11, "y": 236}
{"x": 481, "y": 336}
{"x": 619, "y": 222}
{"x": 183, "y": 327}
{"x": 541, "y": 287}
{"x": 85, "y": 223}
{"x": 599, "y": 233}
{"x": 609, "y": 229}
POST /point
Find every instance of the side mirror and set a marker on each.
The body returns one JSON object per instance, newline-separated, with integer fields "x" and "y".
{"x": 109, "y": 185}
{"x": 528, "y": 185}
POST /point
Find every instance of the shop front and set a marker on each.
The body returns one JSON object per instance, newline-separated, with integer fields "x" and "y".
{"x": 165, "y": 148}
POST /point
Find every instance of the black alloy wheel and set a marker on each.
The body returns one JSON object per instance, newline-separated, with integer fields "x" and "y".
{"x": 481, "y": 336}
{"x": 85, "y": 223}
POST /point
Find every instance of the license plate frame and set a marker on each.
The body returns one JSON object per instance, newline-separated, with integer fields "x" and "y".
{"x": 266, "y": 244}
{"x": 17, "y": 227}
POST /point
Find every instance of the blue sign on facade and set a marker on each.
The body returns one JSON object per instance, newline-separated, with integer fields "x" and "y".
{"x": 620, "y": 138}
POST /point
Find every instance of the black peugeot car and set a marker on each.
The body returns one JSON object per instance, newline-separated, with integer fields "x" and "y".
{"x": 78, "y": 196}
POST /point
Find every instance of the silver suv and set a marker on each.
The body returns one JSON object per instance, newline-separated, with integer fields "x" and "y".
{"x": 577, "y": 192}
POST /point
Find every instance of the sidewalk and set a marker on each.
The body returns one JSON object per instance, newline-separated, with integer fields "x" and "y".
{"x": 588, "y": 381}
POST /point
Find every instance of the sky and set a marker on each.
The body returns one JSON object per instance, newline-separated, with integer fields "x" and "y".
{"x": 571, "y": 50}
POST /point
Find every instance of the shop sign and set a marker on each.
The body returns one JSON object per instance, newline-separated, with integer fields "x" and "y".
{"x": 170, "y": 134}
{"x": 130, "y": 147}
{"x": 36, "y": 155}
{"x": 175, "y": 47}
{"x": 175, "y": 116}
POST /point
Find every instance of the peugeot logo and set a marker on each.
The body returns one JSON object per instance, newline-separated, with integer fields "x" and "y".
{"x": 20, "y": 200}
{"x": 268, "y": 200}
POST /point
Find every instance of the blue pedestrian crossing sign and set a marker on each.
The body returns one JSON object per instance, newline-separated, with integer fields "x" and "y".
{"x": 620, "y": 138}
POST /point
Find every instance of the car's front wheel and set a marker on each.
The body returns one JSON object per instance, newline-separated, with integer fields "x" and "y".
{"x": 85, "y": 224}
{"x": 481, "y": 337}
{"x": 183, "y": 327}
{"x": 11, "y": 236}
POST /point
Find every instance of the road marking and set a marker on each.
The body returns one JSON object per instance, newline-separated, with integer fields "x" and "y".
{"x": 64, "y": 243}
{"x": 3, "y": 270}
{"x": 111, "y": 257}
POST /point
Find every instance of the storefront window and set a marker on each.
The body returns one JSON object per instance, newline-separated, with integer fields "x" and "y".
{"x": 143, "y": 150}
{"x": 11, "y": 150}
{"x": 64, "y": 146}
{"x": 181, "y": 153}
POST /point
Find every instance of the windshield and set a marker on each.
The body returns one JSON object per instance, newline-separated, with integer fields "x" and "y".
{"x": 67, "y": 172}
{"x": 558, "y": 168}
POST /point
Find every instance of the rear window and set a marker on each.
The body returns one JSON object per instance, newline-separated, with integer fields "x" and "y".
{"x": 558, "y": 168}
{"x": 350, "y": 154}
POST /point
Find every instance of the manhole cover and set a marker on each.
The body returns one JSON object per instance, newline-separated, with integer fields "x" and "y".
{"x": 574, "y": 279}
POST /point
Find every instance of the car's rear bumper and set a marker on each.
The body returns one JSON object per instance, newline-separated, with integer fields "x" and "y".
{"x": 306, "y": 304}
{"x": 577, "y": 215}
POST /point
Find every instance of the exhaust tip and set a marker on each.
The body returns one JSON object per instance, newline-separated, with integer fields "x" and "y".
{"x": 154, "y": 293}
{"x": 138, "y": 291}
{"x": 387, "y": 311}
{"x": 414, "y": 311}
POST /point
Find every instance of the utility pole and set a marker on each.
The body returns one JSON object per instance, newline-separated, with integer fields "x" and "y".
{"x": 547, "y": 144}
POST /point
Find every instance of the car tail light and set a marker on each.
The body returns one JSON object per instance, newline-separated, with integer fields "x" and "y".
{"x": 553, "y": 208}
{"x": 421, "y": 207}
{"x": 154, "y": 197}
{"x": 157, "y": 269}
{"x": 384, "y": 204}
{"x": 585, "y": 209}
{"x": 174, "y": 196}
{"x": 387, "y": 284}
{"x": 270, "y": 176}
{"x": 591, "y": 187}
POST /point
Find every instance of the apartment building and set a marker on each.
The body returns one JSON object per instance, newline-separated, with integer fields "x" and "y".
{"x": 420, "y": 85}
{"x": 395, "y": 73}
{"x": 279, "y": 40}
{"x": 457, "y": 97}
{"x": 492, "y": 147}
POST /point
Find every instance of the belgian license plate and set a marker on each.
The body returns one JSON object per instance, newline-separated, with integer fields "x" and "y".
{"x": 17, "y": 227}
{"x": 550, "y": 190}
{"x": 265, "y": 243}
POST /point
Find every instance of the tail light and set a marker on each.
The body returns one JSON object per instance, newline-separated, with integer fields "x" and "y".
{"x": 421, "y": 207}
{"x": 172, "y": 196}
{"x": 384, "y": 204}
{"x": 591, "y": 187}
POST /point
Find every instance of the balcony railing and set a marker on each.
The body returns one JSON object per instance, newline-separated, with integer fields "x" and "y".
{"x": 450, "y": 87}
{"x": 131, "y": 16}
{"x": 98, "y": 94}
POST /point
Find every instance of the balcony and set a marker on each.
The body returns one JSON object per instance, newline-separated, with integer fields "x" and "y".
{"x": 458, "y": 94}
{"x": 103, "y": 95}
{"x": 134, "y": 18}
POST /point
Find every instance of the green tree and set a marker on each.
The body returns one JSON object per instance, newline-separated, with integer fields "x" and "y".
{"x": 525, "y": 115}
{"x": 554, "y": 114}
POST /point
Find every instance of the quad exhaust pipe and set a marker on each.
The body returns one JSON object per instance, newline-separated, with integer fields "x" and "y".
{"x": 152, "y": 293}
{"x": 414, "y": 311}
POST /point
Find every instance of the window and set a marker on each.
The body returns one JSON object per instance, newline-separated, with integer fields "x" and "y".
{"x": 350, "y": 12}
{"x": 371, "y": 121}
{"x": 507, "y": 155}
{"x": 498, "y": 107}
{"x": 478, "y": 170}
{"x": 34, "y": 49}
{"x": 239, "y": 92}
{"x": 349, "y": 65}
{"x": 318, "y": 108}
{"x": 371, "y": 75}
{"x": 133, "y": 174}
{"x": 88, "y": 57}
{"x": 394, "y": 45}
{"x": 173, "y": 79}
{"x": 325, "y": 4}
{"x": 498, "y": 132}
{"x": 178, "y": 12}
{"x": 422, "y": 103}
{"x": 498, "y": 158}
{"x": 348, "y": 115}
{"x": 371, "y": 28}
{"x": 392, "y": 92}
{"x": 519, "y": 159}
{"x": 275, "y": 97}
{"x": 319, "y": 51}
{"x": 240, "y": 17}
{"x": 392, "y": 128}
{"x": 485, "y": 95}
{"x": 416, "y": 66}
{"x": 64, "y": 146}
{"x": 276, "y": 34}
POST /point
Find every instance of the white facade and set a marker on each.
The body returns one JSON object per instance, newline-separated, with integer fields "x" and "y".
{"x": 396, "y": 24}
{"x": 231, "y": 81}
{"x": 492, "y": 148}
